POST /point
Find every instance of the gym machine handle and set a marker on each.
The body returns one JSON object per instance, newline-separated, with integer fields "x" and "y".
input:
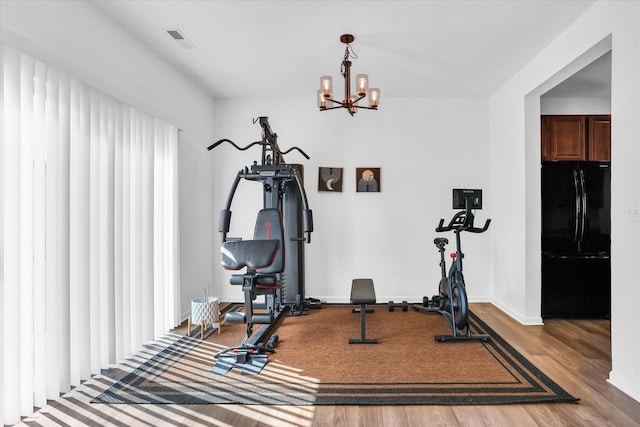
{"x": 307, "y": 223}
{"x": 307, "y": 215}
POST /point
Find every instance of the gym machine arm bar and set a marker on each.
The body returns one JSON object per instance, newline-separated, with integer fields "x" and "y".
{"x": 225, "y": 214}
{"x": 282, "y": 153}
{"x": 307, "y": 216}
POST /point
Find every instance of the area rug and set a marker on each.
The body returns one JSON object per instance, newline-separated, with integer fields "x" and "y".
{"x": 314, "y": 365}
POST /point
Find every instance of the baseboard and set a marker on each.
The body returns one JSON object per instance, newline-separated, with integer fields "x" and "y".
{"x": 528, "y": 321}
{"x": 633, "y": 390}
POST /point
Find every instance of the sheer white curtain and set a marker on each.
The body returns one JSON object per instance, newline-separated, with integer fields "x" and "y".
{"x": 89, "y": 266}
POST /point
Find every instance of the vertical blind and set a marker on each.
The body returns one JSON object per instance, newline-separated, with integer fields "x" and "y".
{"x": 89, "y": 265}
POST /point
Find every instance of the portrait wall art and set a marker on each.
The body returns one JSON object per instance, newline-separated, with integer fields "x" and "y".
{"x": 368, "y": 180}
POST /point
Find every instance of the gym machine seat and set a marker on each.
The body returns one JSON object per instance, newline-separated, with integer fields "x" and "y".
{"x": 362, "y": 293}
{"x": 264, "y": 259}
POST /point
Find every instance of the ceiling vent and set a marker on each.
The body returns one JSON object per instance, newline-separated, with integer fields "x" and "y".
{"x": 180, "y": 38}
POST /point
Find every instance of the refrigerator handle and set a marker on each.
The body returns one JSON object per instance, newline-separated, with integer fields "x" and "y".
{"x": 577, "y": 200}
{"x": 583, "y": 195}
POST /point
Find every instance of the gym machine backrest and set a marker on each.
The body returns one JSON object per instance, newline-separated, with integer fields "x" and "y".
{"x": 265, "y": 253}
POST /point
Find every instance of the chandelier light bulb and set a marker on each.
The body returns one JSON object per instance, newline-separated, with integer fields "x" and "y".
{"x": 362, "y": 83}
{"x": 322, "y": 101}
{"x": 374, "y": 97}
{"x": 326, "y": 83}
{"x": 352, "y": 105}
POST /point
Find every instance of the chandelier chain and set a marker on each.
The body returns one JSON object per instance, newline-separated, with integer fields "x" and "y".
{"x": 349, "y": 53}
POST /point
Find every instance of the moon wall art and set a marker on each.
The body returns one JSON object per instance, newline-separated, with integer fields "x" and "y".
{"x": 330, "y": 179}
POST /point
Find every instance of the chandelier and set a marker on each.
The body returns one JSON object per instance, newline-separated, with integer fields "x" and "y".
{"x": 350, "y": 102}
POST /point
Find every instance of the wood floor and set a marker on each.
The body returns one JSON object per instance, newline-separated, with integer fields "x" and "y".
{"x": 574, "y": 353}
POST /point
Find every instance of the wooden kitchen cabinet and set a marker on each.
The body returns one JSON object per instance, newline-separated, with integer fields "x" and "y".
{"x": 599, "y": 138}
{"x": 576, "y": 137}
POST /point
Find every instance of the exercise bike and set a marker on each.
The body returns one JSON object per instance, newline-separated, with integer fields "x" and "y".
{"x": 451, "y": 300}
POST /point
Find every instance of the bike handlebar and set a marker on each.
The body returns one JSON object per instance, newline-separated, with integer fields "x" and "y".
{"x": 462, "y": 222}
{"x": 215, "y": 144}
{"x": 480, "y": 230}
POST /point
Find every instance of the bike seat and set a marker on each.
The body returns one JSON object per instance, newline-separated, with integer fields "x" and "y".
{"x": 440, "y": 241}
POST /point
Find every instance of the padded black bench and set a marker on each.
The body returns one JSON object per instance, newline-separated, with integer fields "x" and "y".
{"x": 362, "y": 293}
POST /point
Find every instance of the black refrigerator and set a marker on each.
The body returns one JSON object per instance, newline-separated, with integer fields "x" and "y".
{"x": 576, "y": 239}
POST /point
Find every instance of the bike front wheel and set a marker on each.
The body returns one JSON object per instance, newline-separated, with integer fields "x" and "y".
{"x": 460, "y": 305}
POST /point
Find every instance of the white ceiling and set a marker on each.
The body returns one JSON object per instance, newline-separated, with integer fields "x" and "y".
{"x": 408, "y": 48}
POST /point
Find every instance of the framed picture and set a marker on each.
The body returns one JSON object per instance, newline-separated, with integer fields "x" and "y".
{"x": 330, "y": 179}
{"x": 368, "y": 180}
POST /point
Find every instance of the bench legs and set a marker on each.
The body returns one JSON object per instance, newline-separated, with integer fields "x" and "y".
{"x": 363, "y": 339}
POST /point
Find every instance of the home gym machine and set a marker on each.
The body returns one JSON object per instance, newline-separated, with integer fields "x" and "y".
{"x": 274, "y": 259}
{"x": 451, "y": 300}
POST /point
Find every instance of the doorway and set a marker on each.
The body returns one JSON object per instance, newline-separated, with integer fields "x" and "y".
{"x": 575, "y": 194}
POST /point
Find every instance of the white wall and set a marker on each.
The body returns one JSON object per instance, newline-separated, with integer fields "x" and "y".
{"x": 570, "y": 106}
{"x": 515, "y": 137}
{"x": 425, "y": 147}
{"x": 74, "y": 36}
